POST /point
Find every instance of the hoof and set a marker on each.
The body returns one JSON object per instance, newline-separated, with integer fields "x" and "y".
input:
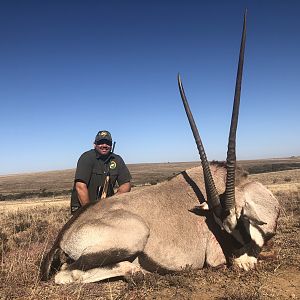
{"x": 65, "y": 277}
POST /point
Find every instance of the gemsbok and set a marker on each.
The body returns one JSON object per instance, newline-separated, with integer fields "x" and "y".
{"x": 205, "y": 216}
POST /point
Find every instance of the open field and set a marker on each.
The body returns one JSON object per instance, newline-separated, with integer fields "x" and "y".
{"x": 59, "y": 183}
{"x": 29, "y": 226}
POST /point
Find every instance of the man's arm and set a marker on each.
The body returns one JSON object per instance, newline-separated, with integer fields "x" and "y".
{"x": 124, "y": 188}
{"x": 82, "y": 192}
{"x": 123, "y": 178}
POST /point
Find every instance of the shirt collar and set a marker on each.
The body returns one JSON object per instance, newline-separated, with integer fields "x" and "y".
{"x": 108, "y": 157}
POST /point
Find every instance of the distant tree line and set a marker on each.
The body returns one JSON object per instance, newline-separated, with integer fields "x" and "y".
{"x": 271, "y": 167}
{"x": 38, "y": 194}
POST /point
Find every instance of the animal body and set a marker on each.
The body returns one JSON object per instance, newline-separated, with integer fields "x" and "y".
{"x": 166, "y": 227}
{"x": 158, "y": 229}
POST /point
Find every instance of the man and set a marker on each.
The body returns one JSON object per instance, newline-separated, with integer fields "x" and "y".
{"x": 93, "y": 169}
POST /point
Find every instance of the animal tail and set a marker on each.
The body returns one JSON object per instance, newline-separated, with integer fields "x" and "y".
{"x": 51, "y": 262}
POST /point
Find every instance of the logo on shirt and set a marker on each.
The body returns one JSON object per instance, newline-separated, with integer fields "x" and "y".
{"x": 112, "y": 165}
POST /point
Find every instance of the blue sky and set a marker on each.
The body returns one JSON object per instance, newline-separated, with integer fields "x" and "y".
{"x": 71, "y": 68}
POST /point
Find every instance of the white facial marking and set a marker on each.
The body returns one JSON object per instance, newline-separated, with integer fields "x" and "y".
{"x": 256, "y": 236}
{"x": 230, "y": 222}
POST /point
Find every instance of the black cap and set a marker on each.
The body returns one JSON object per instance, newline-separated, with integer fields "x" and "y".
{"x": 103, "y": 135}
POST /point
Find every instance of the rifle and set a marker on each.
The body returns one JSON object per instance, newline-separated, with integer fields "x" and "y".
{"x": 106, "y": 181}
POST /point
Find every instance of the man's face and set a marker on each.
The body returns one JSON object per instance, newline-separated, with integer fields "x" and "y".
{"x": 103, "y": 147}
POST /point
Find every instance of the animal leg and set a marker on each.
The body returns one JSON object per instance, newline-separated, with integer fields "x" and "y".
{"x": 124, "y": 268}
{"x": 106, "y": 237}
{"x": 246, "y": 257}
{"x": 214, "y": 253}
{"x": 105, "y": 258}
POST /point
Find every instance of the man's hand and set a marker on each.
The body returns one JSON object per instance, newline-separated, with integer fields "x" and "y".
{"x": 124, "y": 188}
{"x": 82, "y": 192}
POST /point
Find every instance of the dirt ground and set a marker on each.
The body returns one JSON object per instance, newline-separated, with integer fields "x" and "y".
{"x": 29, "y": 226}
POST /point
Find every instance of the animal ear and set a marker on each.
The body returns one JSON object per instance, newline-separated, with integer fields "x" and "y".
{"x": 202, "y": 206}
{"x": 249, "y": 212}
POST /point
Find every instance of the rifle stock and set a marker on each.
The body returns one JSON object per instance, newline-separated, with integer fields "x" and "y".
{"x": 105, "y": 187}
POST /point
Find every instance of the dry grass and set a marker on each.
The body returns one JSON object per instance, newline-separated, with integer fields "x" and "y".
{"x": 26, "y": 234}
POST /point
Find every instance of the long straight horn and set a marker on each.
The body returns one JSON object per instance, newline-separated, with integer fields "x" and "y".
{"x": 211, "y": 191}
{"x": 231, "y": 152}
